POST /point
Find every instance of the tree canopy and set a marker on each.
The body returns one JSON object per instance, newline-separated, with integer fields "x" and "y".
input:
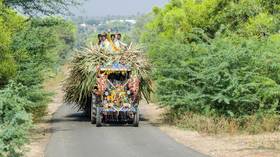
{"x": 216, "y": 57}
{"x": 182, "y": 18}
{"x": 41, "y": 7}
{"x": 30, "y": 51}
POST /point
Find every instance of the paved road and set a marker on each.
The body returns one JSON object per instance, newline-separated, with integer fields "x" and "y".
{"x": 74, "y": 136}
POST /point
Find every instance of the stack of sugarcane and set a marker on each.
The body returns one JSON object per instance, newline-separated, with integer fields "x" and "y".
{"x": 81, "y": 80}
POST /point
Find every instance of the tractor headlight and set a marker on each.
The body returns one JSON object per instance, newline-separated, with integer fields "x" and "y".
{"x": 106, "y": 93}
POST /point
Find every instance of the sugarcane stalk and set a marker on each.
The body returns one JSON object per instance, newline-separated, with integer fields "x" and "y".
{"x": 82, "y": 76}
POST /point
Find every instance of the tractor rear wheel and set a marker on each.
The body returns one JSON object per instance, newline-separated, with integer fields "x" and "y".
{"x": 93, "y": 109}
{"x": 87, "y": 107}
{"x": 98, "y": 117}
{"x": 136, "y": 118}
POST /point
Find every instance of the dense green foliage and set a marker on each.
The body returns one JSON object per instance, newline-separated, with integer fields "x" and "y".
{"x": 30, "y": 51}
{"x": 229, "y": 77}
{"x": 190, "y": 21}
{"x": 15, "y": 120}
{"x": 216, "y": 57}
{"x": 9, "y": 24}
{"x": 45, "y": 43}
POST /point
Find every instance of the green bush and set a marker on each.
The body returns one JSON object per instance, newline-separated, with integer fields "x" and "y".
{"x": 232, "y": 76}
{"x": 9, "y": 22}
{"x": 30, "y": 50}
{"x": 44, "y": 43}
{"x": 38, "y": 97}
{"x": 15, "y": 121}
{"x": 216, "y": 58}
{"x": 20, "y": 106}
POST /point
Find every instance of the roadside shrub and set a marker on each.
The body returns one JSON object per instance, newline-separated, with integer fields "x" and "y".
{"x": 218, "y": 60}
{"x": 39, "y": 99}
{"x": 230, "y": 77}
{"x": 20, "y": 107}
{"x": 30, "y": 50}
{"x": 15, "y": 121}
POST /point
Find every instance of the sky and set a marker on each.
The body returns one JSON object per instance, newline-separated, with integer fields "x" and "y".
{"x": 93, "y": 8}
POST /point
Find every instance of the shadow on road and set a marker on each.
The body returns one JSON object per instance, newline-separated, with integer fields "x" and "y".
{"x": 73, "y": 117}
{"x": 82, "y": 117}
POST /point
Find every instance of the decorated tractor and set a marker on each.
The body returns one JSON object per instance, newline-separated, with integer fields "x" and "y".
{"x": 108, "y": 86}
{"x": 115, "y": 98}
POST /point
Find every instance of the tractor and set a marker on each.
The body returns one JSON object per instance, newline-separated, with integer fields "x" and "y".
{"x": 115, "y": 98}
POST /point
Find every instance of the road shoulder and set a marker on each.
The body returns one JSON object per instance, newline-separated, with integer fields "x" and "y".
{"x": 260, "y": 145}
{"x": 42, "y": 132}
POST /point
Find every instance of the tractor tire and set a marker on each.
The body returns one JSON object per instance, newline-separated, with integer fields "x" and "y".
{"x": 87, "y": 108}
{"x": 93, "y": 109}
{"x": 136, "y": 118}
{"x": 98, "y": 117}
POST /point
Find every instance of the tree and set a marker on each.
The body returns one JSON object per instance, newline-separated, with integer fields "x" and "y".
{"x": 46, "y": 43}
{"x": 39, "y": 7}
{"x": 216, "y": 57}
{"x": 10, "y": 22}
{"x": 187, "y": 19}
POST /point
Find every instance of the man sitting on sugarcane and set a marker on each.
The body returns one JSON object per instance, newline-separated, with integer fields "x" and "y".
{"x": 113, "y": 37}
{"x": 114, "y": 48}
{"x": 112, "y": 43}
{"x": 99, "y": 36}
{"x": 105, "y": 44}
{"x": 118, "y": 43}
{"x": 109, "y": 44}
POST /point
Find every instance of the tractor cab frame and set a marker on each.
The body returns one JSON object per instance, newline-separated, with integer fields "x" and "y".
{"x": 114, "y": 98}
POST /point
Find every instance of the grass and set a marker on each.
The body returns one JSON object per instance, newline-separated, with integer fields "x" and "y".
{"x": 51, "y": 84}
{"x": 49, "y": 90}
{"x": 223, "y": 125}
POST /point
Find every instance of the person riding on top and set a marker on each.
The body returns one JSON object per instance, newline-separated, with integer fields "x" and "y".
{"x": 112, "y": 43}
{"x": 113, "y": 37}
{"x": 118, "y": 43}
{"x": 99, "y": 36}
{"x": 104, "y": 41}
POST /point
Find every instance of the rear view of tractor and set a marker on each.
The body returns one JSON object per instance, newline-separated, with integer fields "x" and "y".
{"x": 108, "y": 87}
{"x": 116, "y": 96}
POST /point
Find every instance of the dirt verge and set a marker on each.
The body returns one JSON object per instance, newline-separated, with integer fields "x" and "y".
{"x": 261, "y": 145}
{"x": 42, "y": 131}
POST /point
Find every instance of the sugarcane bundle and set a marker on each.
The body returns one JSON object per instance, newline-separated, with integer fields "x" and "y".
{"x": 82, "y": 79}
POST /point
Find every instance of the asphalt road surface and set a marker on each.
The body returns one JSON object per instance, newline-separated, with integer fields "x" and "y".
{"x": 74, "y": 136}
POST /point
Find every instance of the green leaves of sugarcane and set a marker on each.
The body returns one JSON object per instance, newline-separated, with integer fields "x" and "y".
{"x": 82, "y": 76}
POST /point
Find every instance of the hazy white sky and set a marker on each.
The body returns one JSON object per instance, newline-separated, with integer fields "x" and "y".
{"x": 116, "y": 7}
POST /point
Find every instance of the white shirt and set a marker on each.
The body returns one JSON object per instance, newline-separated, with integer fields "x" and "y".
{"x": 119, "y": 44}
